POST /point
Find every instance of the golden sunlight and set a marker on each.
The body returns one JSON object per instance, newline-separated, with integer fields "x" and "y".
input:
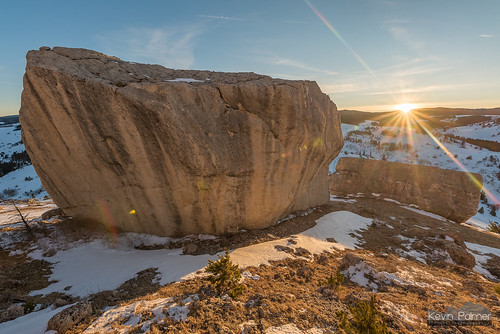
{"x": 406, "y": 107}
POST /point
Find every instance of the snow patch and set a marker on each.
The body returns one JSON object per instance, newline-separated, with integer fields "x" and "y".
{"x": 32, "y": 323}
{"x": 189, "y": 80}
{"x": 336, "y": 199}
{"x": 424, "y": 213}
{"x": 94, "y": 267}
{"x": 131, "y": 315}
{"x": 480, "y": 253}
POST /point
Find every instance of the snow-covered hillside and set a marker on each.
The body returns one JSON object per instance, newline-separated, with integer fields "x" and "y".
{"x": 368, "y": 140}
{"x": 18, "y": 179}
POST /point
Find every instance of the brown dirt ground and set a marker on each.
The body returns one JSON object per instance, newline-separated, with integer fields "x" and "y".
{"x": 287, "y": 291}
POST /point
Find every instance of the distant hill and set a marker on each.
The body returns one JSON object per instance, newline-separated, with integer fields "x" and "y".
{"x": 11, "y": 119}
{"x": 356, "y": 117}
{"x": 458, "y": 111}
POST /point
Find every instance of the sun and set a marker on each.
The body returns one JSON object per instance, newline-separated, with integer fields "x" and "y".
{"x": 406, "y": 107}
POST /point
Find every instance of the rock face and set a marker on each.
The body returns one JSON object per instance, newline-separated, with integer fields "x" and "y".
{"x": 448, "y": 193}
{"x": 174, "y": 152}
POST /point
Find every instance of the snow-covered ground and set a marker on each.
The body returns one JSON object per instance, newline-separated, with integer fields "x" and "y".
{"x": 98, "y": 265}
{"x": 484, "y": 130}
{"x": 21, "y": 183}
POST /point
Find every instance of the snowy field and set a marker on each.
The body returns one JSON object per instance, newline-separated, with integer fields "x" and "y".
{"x": 484, "y": 130}
{"x": 22, "y": 183}
{"x": 98, "y": 265}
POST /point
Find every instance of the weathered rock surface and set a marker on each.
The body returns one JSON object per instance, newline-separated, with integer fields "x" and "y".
{"x": 143, "y": 148}
{"x": 68, "y": 317}
{"x": 448, "y": 193}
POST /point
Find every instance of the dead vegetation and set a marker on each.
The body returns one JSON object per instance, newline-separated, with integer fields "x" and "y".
{"x": 310, "y": 291}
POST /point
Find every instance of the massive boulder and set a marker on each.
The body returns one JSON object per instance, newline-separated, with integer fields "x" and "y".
{"x": 174, "y": 152}
{"x": 448, "y": 193}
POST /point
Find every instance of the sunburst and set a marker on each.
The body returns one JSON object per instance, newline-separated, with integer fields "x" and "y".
{"x": 406, "y": 107}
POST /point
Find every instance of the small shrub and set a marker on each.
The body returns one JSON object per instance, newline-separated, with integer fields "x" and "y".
{"x": 481, "y": 210}
{"x": 120, "y": 84}
{"x": 483, "y": 197}
{"x": 496, "y": 287}
{"x": 28, "y": 178}
{"x": 494, "y": 227}
{"x": 225, "y": 276}
{"x": 29, "y": 306}
{"x": 10, "y": 192}
{"x": 469, "y": 157}
{"x": 365, "y": 318}
{"x": 493, "y": 211}
{"x": 333, "y": 282}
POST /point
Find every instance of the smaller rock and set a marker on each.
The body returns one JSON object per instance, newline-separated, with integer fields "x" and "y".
{"x": 323, "y": 260}
{"x": 44, "y": 48}
{"x": 284, "y": 249}
{"x": 13, "y": 312}
{"x": 418, "y": 245}
{"x": 69, "y": 317}
{"x": 493, "y": 265}
{"x": 349, "y": 260}
{"x": 460, "y": 255}
{"x": 305, "y": 272}
{"x": 60, "y": 302}
{"x": 299, "y": 251}
{"x": 190, "y": 248}
{"x": 457, "y": 238}
{"x": 52, "y": 213}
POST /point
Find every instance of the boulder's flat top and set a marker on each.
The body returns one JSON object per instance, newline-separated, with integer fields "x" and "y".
{"x": 93, "y": 65}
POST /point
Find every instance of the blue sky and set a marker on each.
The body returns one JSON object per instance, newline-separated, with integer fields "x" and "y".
{"x": 365, "y": 54}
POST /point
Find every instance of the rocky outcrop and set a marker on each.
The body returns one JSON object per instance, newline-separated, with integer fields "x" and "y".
{"x": 174, "y": 152}
{"x": 69, "y": 317}
{"x": 448, "y": 193}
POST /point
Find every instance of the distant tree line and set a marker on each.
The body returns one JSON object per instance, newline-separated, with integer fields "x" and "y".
{"x": 487, "y": 144}
{"x": 16, "y": 161}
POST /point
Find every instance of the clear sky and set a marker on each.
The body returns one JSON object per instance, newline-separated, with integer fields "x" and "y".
{"x": 366, "y": 54}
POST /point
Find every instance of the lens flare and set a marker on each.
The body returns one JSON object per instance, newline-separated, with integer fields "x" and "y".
{"x": 108, "y": 219}
{"x": 455, "y": 160}
{"x": 341, "y": 39}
